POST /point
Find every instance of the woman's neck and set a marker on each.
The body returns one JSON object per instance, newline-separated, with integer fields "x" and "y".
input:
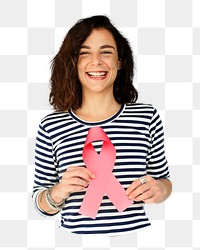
{"x": 97, "y": 108}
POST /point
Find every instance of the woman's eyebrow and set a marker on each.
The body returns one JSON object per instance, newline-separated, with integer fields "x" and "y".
{"x": 85, "y": 47}
{"x": 106, "y": 46}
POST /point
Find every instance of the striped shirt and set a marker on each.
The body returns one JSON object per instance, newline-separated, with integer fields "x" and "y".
{"x": 135, "y": 130}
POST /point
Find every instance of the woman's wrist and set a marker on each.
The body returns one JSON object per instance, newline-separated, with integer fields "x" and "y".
{"x": 43, "y": 204}
{"x": 56, "y": 194}
{"x": 51, "y": 202}
{"x": 167, "y": 189}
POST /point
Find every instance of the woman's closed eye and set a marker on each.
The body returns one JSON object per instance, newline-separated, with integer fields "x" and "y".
{"x": 84, "y": 53}
{"x": 106, "y": 52}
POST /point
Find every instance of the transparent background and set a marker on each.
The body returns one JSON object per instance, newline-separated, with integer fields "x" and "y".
{"x": 165, "y": 37}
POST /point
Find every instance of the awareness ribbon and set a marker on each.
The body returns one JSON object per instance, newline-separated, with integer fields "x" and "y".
{"x": 105, "y": 182}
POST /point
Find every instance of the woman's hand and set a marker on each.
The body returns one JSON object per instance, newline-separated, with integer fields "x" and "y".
{"x": 152, "y": 191}
{"x": 74, "y": 179}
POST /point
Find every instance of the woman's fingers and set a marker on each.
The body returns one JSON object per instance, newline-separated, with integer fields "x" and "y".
{"x": 75, "y": 179}
{"x": 81, "y": 172}
{"x": 145, "y": 189}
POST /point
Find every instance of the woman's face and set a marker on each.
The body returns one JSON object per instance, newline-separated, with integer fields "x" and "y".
{"x": 98, "y": 62}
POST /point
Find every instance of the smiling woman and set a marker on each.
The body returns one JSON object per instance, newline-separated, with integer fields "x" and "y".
{"x": 66, "y": 88}
{"x": 92, "y": 86}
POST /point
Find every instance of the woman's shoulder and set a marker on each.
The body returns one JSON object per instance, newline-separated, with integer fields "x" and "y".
{"x": 142, "y": 112}
{"x": 54, "y": 116}
{"x": 140, "y": 107}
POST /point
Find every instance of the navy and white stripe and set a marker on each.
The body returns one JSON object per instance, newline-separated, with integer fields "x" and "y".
{"x": 137, "y": 134}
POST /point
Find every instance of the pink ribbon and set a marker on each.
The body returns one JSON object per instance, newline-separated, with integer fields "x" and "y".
{"x": 105, "y": 182}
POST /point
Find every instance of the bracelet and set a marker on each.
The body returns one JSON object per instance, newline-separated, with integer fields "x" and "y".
{"x": 53, "y": 204}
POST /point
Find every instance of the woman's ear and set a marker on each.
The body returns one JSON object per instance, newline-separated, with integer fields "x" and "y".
{"x": 119, "y": 65}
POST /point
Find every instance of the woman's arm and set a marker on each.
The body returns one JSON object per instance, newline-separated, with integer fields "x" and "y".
{"x": 74, "y": 179}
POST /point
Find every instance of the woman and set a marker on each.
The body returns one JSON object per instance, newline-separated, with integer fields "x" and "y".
{"x": 91, "y": 86}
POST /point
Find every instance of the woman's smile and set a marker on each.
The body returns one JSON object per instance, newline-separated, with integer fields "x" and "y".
{"x": 97, "y": 75}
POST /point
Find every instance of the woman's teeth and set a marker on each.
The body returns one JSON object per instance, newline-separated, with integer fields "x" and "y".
{"x": 97, "y": 74}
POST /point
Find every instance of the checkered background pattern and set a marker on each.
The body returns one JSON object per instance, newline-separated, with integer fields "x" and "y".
{"x": 165, "y": 37}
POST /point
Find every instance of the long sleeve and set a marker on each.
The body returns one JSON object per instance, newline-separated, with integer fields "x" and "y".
{"x": 45, "y": 165}
{"x": 157, "y": 165}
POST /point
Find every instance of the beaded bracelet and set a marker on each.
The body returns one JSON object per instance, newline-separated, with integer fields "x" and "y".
{"x": 53, "y": 204}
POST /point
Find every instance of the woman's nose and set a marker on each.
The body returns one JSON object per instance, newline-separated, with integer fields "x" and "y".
{"x": 96, "y": 59}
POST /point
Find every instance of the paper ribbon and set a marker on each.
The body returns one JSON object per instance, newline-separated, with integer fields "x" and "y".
{"x": 105, "y": 182}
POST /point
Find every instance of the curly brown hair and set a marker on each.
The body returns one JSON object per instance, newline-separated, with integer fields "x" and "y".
{"x": 66, "y": 91}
